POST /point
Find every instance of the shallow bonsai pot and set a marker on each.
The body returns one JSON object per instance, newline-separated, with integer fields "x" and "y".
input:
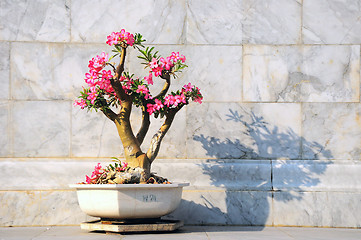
{"x": 129, "y": 201}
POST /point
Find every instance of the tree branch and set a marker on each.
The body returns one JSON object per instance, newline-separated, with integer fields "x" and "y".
{"x": 119, "y": 91}
{"x": 109, "y": 113}
{"x": 158, "y": 137}
{"x": 144, "y": 127}
{"x": 166, "y": 85}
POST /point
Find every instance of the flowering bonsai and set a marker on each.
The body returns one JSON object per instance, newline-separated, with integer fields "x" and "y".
{"x": 114, "y": 92}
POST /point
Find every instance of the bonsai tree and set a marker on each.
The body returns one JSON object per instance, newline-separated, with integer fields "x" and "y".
{"x": 115, "y": 92}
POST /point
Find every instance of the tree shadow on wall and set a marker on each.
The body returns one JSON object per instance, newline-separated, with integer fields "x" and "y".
{"x": 250, "y": 174}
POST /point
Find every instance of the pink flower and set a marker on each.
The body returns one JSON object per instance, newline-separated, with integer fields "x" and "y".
{"x": 88, "y": 179}
{"x": 153, "y": 63}
{"x": 92, "y": 95}
{"x": 169, "y": 100}
{"x": 107, "y": 74}
{"x": 123, "y": 167}
{"x": 188, "y": 88}
{"x": 142, "y": 89}
{"x": 157, "y": 71}
{"x": 149, "y": 78}
{"x": 180, "y": 99}
{"x": 91, "y": 78}
{"x": 150, "y": 108}
{"x": 113, "y": 38}
{"x": 122, "y": 36}
{"x": 198, "y": 100}
{"x": 81, "y": 103}
{"x": 158, "y": 104}
{"x": 166, "y": 63}
{"x": 98, "y": 62}
{"x": 175, "y": 57}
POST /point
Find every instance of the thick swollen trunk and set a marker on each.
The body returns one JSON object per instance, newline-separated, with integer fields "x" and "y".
{"x": 132, "y": 151}
{"x": 133, "y": 154}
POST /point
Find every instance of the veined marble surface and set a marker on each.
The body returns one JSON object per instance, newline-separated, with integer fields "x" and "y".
{"x": 331, "y": 22}
{"x": 160, "y": 22}
{"x": 94, "y": 135}
{"x": 50, "y": 71}
{"x": 301, "y": 73}
{"x": 245, "y": 21}
{"x": 5, "y": 140}
{"x": 41, "y": 128}
{"x": 34, "y": 208}
{"x": 335, "y": 127}
{"x": 246, "y": 131}
{"x": 333, "y": 209}
{"x": 222, "y": 207}
{"x": 36, "y": 20}
{"x": 5, "y": 70}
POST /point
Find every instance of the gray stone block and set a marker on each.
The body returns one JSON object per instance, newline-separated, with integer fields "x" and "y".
{"x": 41, "y": 128}
{"x": 328, "y": 209}
{"x": 301, "y": 73}
{"x": 155, "y": 20}
{"x": 45, "y": 21}
{"x": 331, "y": 22}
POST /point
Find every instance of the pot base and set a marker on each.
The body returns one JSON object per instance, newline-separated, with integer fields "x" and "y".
{"x": 132, "y": 225}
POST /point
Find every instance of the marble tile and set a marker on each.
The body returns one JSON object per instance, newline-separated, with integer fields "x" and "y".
{"x": 311, "y": 175}
{"x": 215, "y": 70}
{"x": 217, "y": 175}
{"x": 271, "y": 21}
{"x": 72, "y": 64}
{"x": 94, "y": 135}
{"x": 32, "y": 72}
{"x": 225, "y": 208}
{"x": 327, "y": 209}
{"x": 39, "y": 20}
{"x": 41, "y": 128}
{"x": 331, "y": 22}
{"x": 160, "y": 22}
{"x": 301, "y": 73}
{"x": 246, "y": 131}
{"x": 5, "y": 70}
{"x": 40, "y": 208}
{"x": 44, "y": 175}
{"x": 332, "y": 131}
{"x": 247, "y": 21}
{"x": 5, "y": 128}
{"x": 331, "y": 74}
{"x": 214, "y": 22}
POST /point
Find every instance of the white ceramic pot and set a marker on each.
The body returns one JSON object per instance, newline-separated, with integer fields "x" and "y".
{"x": 128, "y": 201}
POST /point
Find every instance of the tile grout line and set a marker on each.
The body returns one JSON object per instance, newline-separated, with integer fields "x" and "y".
{"x": 10, "y": 106}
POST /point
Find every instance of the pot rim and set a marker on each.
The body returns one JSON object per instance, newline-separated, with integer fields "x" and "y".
{"x": 126, "y": 186}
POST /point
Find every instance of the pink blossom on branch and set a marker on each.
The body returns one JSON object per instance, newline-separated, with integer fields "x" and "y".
{"x": 150, "y": 108}
{"x": 142, "y": 89}
{"x": 149, "y": 78}
{"x": 117, "y": 37}
{"x": 81, "y": 103}
{"x": 169, "y": 100}
{"x": 98, "y": 62}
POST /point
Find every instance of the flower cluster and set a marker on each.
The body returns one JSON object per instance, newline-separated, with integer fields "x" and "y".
{"x": 116, "y": 38}
{"x": 174, "y": 99}
{"x": 100, "y": 172}
{"x": 98, "y": 80}
{"x": 157, "y": 66}
{"x": 100, "y": 94}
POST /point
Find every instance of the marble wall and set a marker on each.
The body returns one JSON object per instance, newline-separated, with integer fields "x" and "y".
{"x": 276, "y": 142}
